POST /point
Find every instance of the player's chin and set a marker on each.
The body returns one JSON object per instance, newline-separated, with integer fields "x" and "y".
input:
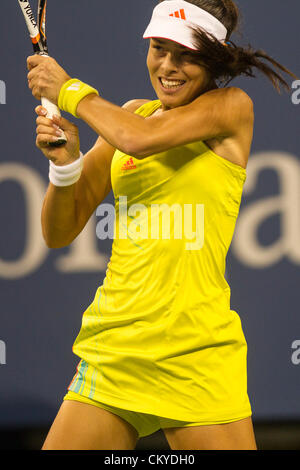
{"x": 174, "y": 101}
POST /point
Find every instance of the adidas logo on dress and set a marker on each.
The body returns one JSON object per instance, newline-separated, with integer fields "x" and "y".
{"x": 129, "y": 165}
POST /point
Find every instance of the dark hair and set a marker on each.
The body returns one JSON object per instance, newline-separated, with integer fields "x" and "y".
{"x": 225, "y": 62}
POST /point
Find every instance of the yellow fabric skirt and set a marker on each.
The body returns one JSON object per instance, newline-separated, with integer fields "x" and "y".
{"x": 85, "y": 388}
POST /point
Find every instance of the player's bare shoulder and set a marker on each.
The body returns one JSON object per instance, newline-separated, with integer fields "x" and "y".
{"x": 242, "y": 96}
{"x": 237, "y": 108}
{"x": 240, "y": 100}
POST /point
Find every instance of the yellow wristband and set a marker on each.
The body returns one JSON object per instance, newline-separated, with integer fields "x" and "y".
{"x": 71, "y": 93}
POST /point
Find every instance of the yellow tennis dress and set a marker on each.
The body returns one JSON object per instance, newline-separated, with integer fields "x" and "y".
{"x": 160, "y": 337}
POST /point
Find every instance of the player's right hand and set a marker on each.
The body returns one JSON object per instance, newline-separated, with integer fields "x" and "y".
{"x": 48, "y": 130}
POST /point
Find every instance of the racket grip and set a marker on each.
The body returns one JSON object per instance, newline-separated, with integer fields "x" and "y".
{"x": 53, "y": 110}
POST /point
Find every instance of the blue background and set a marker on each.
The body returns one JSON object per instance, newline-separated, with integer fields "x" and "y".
{"x": 42, "y": 300}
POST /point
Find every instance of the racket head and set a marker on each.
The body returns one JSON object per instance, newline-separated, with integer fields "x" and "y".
{"x": 41, "y": 23}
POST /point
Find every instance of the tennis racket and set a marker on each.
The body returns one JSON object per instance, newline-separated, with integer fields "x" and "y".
{"x": 37, "y": 32}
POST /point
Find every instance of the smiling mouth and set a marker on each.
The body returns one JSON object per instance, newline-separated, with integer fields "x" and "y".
{"x": 171, "y": 84}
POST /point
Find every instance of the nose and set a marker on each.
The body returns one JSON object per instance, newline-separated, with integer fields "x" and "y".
{"x": 170, "y": 63}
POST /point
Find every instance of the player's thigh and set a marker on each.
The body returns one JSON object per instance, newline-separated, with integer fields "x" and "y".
{"x": 238, "y": 435}
{"x": 81, "y": 426}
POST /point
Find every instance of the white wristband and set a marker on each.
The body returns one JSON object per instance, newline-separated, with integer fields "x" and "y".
{"x": 66, "y": 175}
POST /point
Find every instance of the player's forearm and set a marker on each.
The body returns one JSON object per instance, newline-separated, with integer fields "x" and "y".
{"x": 59, "y": 221}
{"x": 122, "y": 129}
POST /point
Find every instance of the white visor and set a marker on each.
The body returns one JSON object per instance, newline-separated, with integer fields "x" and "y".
{"x": 173, "y": 19}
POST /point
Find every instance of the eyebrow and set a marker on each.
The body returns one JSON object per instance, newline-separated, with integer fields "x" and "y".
{"x": 161, "y": 41}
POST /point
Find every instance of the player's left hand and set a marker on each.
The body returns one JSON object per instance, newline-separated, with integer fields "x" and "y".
{"x": 45, "y": 77}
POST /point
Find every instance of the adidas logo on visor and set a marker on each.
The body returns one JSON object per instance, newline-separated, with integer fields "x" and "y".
{"x": 179, "y": 14}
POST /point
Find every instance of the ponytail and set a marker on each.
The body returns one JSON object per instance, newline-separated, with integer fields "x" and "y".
{"x": 226, "y": 62}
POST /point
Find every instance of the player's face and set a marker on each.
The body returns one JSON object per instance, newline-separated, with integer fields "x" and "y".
{"x": 175, "y": 77}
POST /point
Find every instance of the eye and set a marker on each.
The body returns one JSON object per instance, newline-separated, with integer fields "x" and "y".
{"x": 188, "y": 57}
{"x": 186, "y": 54}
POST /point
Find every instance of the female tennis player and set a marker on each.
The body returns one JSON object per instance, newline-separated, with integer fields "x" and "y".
{"x": 159, "y": 346}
